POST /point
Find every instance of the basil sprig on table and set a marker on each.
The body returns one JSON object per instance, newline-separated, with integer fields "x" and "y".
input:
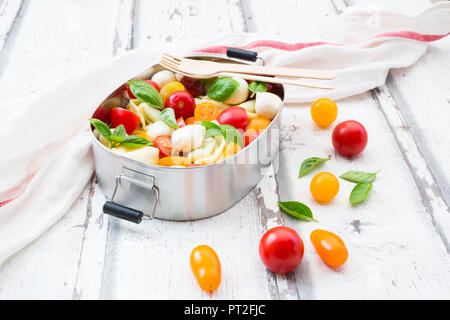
{"x": 146, "y": 93}
{"x": 363, "y": 186}
{"x": 257, "y": 86}
{"x": 359, "y": 176}
{"x": 230, "y": 133}
{"x": 223, "y": 88}
{"x": 298, "y": 210}
{"x": 360, "y": 192}
{"x": 119, "y": 137}
{"x": 168, "y": 116}
{"x": 309, "y": 164}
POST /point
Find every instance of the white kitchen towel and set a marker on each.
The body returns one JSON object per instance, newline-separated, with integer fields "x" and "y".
{"x": 44, "y": 168}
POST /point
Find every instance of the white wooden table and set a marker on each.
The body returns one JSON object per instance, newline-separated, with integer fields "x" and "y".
{"x": 398, "y": 240}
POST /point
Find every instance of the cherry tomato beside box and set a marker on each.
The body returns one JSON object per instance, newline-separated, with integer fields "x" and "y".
{"x": 330, "y": 248}
{"x": 122, "y": 116}
{"x": 281, "y": 249}
{"x": 234, "y": 116}
{"x": 182, "y": 103}
{"x": 205, "y": 265}
{"x": 349, "y": 138}
{"x": 324, "y": 112}
{"x": 324, "y": 186}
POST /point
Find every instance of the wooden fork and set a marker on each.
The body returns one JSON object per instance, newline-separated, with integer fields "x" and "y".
{"x": 209, "y": 69}
{"x": 249, "y": 77}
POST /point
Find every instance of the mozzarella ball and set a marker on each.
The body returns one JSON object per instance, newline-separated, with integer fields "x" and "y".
{"x": 241, "y": 94}
{"x": 148, "y": 155}
{"x": 164, "y": 77}
{"x": 267, "y": 104}
{"x": 159, "y": 128}
{"x": 188, "y": 138}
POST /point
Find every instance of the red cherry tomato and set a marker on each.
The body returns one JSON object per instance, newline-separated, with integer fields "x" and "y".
{"x": 180, "y": 122}
{"x": 281, "y": 249}
{"x": 122, "y": 116}
{"x": 164, "y": 144}
{"x": 103, "y": 114}
{"x": 349, "y": 138}
{"x": 250, "y": 137}
{"x": 234, "y": 116}
{"x": 182, "y": 103}
{"x": 153, "y": 83}
{"x": 194, "y": 86}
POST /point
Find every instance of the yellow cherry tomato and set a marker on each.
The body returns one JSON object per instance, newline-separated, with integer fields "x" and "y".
{"x": 259, "y": 123}
{"x": 324, "y": 187}
{"x": 330, "y": 248}
{"x": 324, "y": 112}
{"x": 205, "y": 265}
{"x": 170, "y": 88}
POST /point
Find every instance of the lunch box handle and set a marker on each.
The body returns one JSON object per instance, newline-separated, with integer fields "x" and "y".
{"x": 126, "y": 213}
{"x": 247, "y": 55}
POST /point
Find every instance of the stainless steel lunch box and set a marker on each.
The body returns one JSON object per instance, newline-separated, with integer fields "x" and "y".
{"x": 138, "y": 190}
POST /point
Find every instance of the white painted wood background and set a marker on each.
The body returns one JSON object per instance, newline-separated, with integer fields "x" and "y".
{"x": 398, "y": 241}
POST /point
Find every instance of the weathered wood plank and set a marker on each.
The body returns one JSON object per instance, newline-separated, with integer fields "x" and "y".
{"x": 56, "y": 38}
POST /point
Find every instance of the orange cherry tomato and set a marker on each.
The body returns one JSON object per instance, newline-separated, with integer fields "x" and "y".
{"x": 259, "y": 123}
{"x": 231, "y": 149}
{"x": 205, "y": 265}
{"x": 330, "y": 248}
{"x": 206, "y": 111}
{"x": 324, "y": 187}
{"x": 324, "y": 112}
{"x": 190, "y": 120}
{"x": 174, "y": 161}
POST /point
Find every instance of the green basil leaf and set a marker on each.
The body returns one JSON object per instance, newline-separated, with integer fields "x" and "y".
{"x": 101, "y": 127}
{"x": 146, "y": 93}
{"x": 256, "y": 86}
{"x": 360, "y": 192}
{"x": 114, "y": 138}
{"x": 359, "y": 176}
{"x": 212, "y": 129}
{"x": 136, "y": 140}
{"x": 309, "y": 164}
{"x": 120, "y": 132}
{"x": 168, "y": 116}
{"x": 297, "y": 210}
{"x": 223, "y": 88}
{"x": 232, "y": 135}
